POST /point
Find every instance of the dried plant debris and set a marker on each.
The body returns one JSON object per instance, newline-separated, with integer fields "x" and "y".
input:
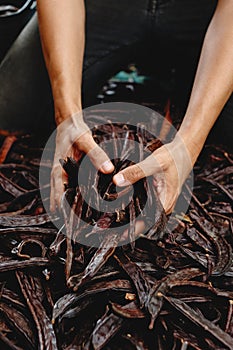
{"x": 167, "y": 290}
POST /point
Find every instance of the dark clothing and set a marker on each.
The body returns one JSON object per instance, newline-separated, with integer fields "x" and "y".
{"x": 162, "y": 32}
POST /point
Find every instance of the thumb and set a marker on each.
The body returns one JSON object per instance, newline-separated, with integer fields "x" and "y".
{"x": 79, "y": 135}
{"x": 99, "y": 158}
{"x": 137, "y": 172}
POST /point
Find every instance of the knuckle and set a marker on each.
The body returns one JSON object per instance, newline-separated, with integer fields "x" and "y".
{"x": 133, "y": 174}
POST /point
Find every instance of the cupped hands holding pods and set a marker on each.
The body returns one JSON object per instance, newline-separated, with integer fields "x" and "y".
{"x": 63, "y": 40}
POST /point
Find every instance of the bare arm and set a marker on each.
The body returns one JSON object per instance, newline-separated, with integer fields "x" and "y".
{"x": 61, "y": 26}
{"x": 213, "y": 85}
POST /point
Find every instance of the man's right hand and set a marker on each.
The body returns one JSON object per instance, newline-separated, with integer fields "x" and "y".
{"x": 72, "y": 140}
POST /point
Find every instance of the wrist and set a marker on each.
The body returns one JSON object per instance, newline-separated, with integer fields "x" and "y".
{"x": 192, "y": 144}
{"x": 67, "y": 101}
{"x": 193, "y": 133}
{"x": 64, "y": 110}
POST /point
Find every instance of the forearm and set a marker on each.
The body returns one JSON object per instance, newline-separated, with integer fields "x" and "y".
{"x": 62, "y": 31}
{"x": 213, "y": 83}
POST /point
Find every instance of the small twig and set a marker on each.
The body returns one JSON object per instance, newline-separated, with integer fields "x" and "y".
{"x": 6, "y": 146}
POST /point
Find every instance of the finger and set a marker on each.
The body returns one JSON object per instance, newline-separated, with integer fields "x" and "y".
{"x": 82, "y": 139}
{"x": 55, "y": 195}
{"x": 166, "y": 195}
{"x": 58, "y": 177}
{"x": 161, "y": 189}
{"x": 99, "y": 158}
{"x": 138, "y": 171}
{"x": 52, "y": 199}
{"x": 139, "y": 228}
{"x": 59, "y": 188}
{"x": 58, "y": 194}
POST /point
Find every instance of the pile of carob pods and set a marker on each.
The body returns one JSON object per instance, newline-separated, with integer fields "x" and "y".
{"x": 167, "y": 289}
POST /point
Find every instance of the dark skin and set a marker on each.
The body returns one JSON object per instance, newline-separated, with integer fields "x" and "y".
{"x": 63, "y": 45}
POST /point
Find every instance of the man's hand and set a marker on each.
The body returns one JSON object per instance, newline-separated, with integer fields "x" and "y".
{"x": 170, "y": 165}
{"x": 72, "y": 140}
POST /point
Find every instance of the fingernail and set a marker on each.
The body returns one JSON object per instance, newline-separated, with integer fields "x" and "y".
{"x": 107, "y": 166}
{"x": 119, "y": 179}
